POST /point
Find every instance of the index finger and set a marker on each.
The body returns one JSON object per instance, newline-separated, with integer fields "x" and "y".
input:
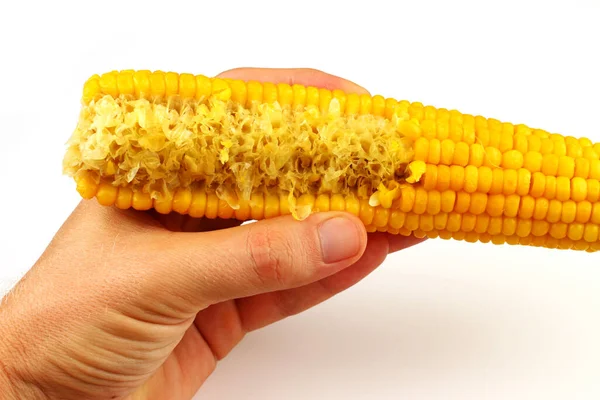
{"x": 291, "y": 76}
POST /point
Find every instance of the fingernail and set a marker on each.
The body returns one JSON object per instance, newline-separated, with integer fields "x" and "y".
{"x": 339, "y": 239}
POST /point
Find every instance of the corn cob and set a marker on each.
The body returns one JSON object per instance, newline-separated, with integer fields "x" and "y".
{"x": 220, "y": 148}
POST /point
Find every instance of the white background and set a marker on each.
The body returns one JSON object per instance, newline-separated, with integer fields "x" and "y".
{"x": 442, "y": 320}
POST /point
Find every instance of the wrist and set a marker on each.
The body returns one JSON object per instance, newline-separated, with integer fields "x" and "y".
{"x": 12, "y": 384}
{"x": 12, "y": 388}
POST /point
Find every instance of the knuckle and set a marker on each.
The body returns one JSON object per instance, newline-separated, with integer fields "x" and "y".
{"x": 271, "y": 255}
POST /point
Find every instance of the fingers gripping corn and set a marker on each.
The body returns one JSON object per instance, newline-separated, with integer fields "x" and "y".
{"x": 221, "y": 148}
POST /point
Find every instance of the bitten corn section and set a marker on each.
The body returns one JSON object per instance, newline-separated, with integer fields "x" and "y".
{"x": 220, "y": 148}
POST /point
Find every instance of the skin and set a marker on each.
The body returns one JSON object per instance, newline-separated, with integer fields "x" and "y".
{"x": 138, "y": 305}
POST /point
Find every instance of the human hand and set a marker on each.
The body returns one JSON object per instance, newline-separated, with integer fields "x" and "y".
{"x": 138, "y": 305}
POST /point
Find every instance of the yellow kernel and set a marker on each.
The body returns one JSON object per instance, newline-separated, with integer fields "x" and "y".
{"x": 575, "y": 231}
{"x": 595, "y": 218}
{"x": 272, "y": 205}
{"x": 430, "y": 177}
{"x": 448, "y": 198}
{"x": 511, "y": 205}
{"x": 495, "y": 205}
{"x": 447, "y": 152}
{"x": 434, "y": 202}
{"x": 187, "y": 86}
{"x": 497, "y": 181}
{"x": 365, "y": 104}
{"x": 461, "y": 154}
{"x": 485, "y": 178}
{"x": 367, "y": 213}
{"x": 141, "y": 201}
{"x": 454, "y": 222}
{"x": 409, "y": 129}
{"x": 584, "y": 211}
{"x": 533, "y": 161}
{"x": 426, "y": 222}
{"x": 353, "y": 205}
{"x": 558, "y": 230}
{"x": 270, "y": 93}
{"x": 578, "y": 189}
{"x": 470, "y": 178}
{"x": 594, "y": 169}
{"x": 124, "y": 198}
{"x": 428, "y": 129}
{"x": 390, "y": 107}
{"x": 550, "y": 164}
{"x": 457, "y": 177}
{"x": 526, "y": 207}
{"x": 554, "y": 211}
{"x": 420, "y": 205}
{"x": 593, "y": 190}
{"x": 547, "y": 145}
{"x": 157, "y": 83}
{"x": 542, "y": 206}
{"x": 352, "y": 102}
{"x": 108, "y": 84}
{"x": 566, "y": 166}
{"x": 381, "y": 217}
{"x": 582, "y": 167}
{"x": 212, "y": 206}
{"x": 521, "y": 144}
{"x": 539, "y": 228}
{"x": 421, "y": 149}
{"x": 337, "y": 203}
{"x": 411, "y": 222}
{"x": 568, "y": 212}
{"x": 551, "y": 187}
{"x": 590, "y": 233}
{"x": 493, "y": 157}
{"x": 509, "y": 226}
{"x": 164, "y": 204}
{"x": 468, "y": 223}
{"x": 86, "y": 185}
{"x": 524, "y": 227}
{"x": 257, "y": 205}
{"x": 203, "y": 87}
{"x": 182, "y": 199}
{"x": 495, "y": 226}
{"x": 523, "y": 182}
{"x": 512, "y": 159}
{"x": 378, "y": 106}
{"x": 224, "y": 210}
{"x": 239, "y": 91}
{"x": 443, "y": 177}
{"x": 510, "y": 182}
{"x": 563, "y": 188}
{"x": 476, "y": 155}
{"x": 397, "y": 219}
{"x": 407, "y": 199}
{"x": 125, "y": 85}
{"x": 254, "y": 93}
{"x": 435, "y": 151}
{"x": 462, "y": 202}
{"x": 478, "y": 203}
{"x": 455, "y": 132}
{"x": 538, "y": 186}
{"x": 171, "y": 84}
{"x": 560, "y": 148}
{"x": 107, "y": 194}
{"x": 482, "y": 223}
{"x": 534, "y": 143}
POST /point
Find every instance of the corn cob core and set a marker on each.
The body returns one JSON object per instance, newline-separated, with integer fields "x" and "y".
{"x": 218, "y": 148}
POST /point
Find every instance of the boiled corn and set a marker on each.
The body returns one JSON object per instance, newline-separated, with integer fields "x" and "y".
{"x": 222, "y": 148}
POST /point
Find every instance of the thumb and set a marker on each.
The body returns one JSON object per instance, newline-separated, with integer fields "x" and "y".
{"x": 269, "y": 255}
